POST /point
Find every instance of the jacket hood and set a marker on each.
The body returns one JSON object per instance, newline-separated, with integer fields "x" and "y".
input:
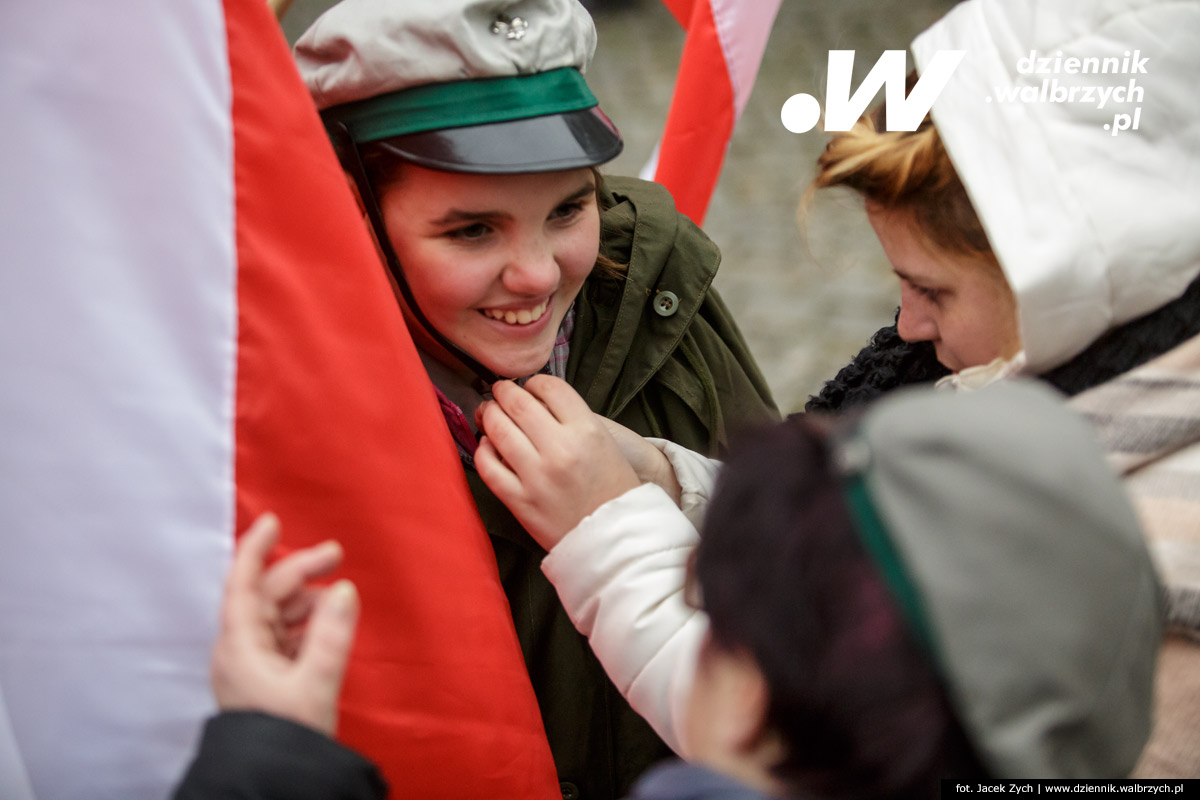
{"x": 1093, "y": 206}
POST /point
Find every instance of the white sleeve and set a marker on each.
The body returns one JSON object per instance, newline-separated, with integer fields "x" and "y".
{"x": 620, "y": 575}
{"x": 696, "y": 474}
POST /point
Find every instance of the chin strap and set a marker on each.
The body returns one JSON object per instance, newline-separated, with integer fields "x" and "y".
{"x": 347, "y": 152}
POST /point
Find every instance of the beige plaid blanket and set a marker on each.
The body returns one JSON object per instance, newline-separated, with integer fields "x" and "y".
{"x": 1149, "y": 422}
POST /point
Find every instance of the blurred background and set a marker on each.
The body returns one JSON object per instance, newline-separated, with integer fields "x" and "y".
{"x": 807, "y": 294}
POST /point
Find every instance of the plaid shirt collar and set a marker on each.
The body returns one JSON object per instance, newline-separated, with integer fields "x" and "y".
{"x": 557, "y": 365}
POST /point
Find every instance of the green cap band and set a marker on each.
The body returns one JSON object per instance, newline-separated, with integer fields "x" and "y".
{"x": 435, "y": 106}
{"x": 883, "y": 552}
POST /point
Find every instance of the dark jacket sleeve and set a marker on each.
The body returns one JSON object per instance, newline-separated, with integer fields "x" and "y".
{"x": 245, "y": 755}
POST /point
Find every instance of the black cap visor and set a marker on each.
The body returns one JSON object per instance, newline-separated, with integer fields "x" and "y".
{"x": 547, "y": 143}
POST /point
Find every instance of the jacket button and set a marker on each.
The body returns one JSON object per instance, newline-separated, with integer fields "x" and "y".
{"x": 666, "y": 303}
{"x": 569, "y": 790}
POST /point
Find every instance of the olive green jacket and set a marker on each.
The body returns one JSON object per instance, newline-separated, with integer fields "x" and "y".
{"x": 657, "y": 351}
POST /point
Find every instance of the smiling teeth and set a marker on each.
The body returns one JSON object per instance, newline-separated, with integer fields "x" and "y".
{"x": 522, "y": 317}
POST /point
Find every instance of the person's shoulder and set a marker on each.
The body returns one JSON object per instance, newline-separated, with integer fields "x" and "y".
{"x": 675, "y": 780}
{"x": 622, "y": 188}
{"x": 651, "y": 204}
{"x": 641, "y": 227}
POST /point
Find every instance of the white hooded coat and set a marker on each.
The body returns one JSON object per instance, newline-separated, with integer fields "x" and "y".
{"x": 1093, "y": 226}
{"x": 1092, "y": 207}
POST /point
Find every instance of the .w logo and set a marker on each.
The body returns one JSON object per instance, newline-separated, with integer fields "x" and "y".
{"x": 802, "y": 112}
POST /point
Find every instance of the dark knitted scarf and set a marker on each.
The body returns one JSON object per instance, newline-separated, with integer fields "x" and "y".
{"x": 888, "y": 362}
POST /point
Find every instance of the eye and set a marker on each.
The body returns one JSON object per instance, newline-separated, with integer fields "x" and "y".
{"x": 568, "y": 211}
{"x": 471, "y": 232}
{"x": 932, "y": 295}
{"x": 925, "y": 292}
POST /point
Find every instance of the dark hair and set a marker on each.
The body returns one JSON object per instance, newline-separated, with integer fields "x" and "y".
{"x": 784, "y": 578}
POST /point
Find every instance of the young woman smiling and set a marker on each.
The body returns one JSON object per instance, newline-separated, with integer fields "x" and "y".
{"x": 494, "y": 261}
{"x": 472, "y": 141}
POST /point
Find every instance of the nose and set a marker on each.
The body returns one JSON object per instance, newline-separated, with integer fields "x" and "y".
{"x": 916, "y": 322}
{"x": 532, "y": 268}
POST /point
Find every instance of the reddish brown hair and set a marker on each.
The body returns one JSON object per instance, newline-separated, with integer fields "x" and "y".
{"x": 908, "y": 171}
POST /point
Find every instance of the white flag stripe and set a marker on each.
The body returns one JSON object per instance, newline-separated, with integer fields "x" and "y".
{"x": 743, "y": 27}
{"x": 117, "y": 301}
{"x": 14, "y": 782}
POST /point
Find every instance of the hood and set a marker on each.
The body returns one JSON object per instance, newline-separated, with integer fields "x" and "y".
{"x": 1029, "y": 573}
{"x": 1092, "y": 206}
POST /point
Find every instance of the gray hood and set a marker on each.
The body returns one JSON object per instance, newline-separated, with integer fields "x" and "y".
{"x": 1030, "y": 573}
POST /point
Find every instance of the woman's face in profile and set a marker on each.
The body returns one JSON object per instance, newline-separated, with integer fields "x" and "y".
{"x": 495, "y": 261}
{"x": 963, "y": 307}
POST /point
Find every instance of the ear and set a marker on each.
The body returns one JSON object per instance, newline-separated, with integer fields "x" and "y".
{"x": 749, "y": 702}
{"x": 759, "y": 747}
{"x": 725, "y": 727}
{"x": 727, "y": 709}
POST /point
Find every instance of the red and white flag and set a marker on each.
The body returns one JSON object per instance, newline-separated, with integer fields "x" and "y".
{"x": 195, "y": 329}
{"x": 722, "y": 52}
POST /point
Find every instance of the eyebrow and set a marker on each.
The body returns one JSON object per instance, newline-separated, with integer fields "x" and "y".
{"x": 580, "y": 193}
{"x": 456, "y": 215}
{"x": 914, "y": 279}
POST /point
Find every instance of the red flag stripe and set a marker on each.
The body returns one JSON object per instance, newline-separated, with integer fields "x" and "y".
{"x": 700, "y": 120}
{"x": 682, "y": 10}
{"x": 338, "y": 431}
{"x": 721, "y": 56}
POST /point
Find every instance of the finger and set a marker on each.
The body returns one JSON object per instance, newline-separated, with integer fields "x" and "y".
{"x": 559, "y": 398}
{"x": 241, "y": 606}
{"x": 252, "y": 549}
{"x": 479, "y": 409}
{"x": 528, "y": 413}
{"x": 503, "y": 482}
{"x": 298, "y": 606}
{"x": 513, "y": 398}
{"x": 508, "y": 439}
{"x": 287, "y": 621}
{"x": 290, "y": 574}
{"x": 243, "y": 623}
{"x": 326, "y": 646}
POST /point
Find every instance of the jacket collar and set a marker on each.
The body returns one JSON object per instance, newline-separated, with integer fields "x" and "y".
{"x": 665, "y": 253}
